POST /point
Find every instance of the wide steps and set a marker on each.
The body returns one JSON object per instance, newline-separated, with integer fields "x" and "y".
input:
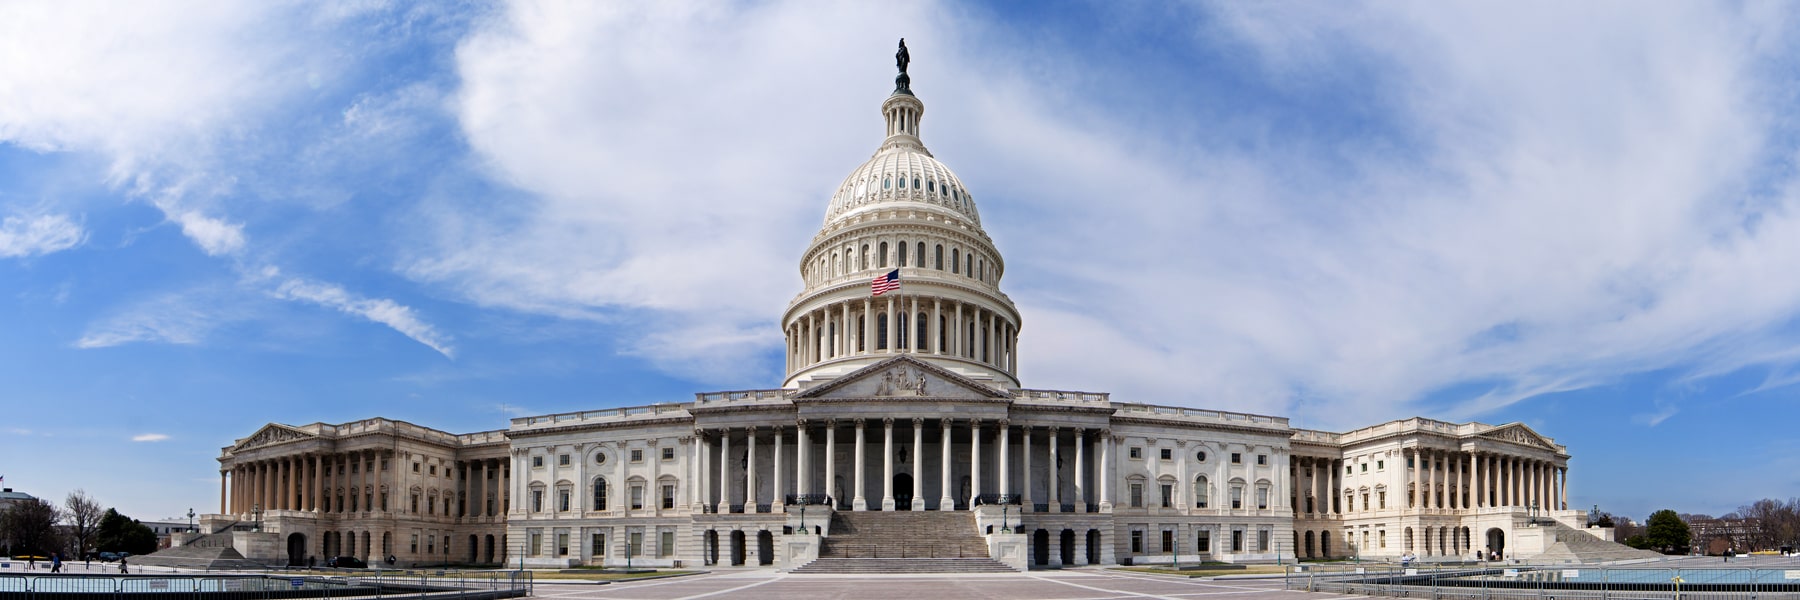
{"x": 864, "y": 566}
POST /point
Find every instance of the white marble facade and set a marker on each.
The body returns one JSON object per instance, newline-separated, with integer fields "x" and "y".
{"x": 911, "y": 400}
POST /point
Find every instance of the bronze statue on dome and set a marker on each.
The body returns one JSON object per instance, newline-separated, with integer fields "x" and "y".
{"x": 902, "y": 82}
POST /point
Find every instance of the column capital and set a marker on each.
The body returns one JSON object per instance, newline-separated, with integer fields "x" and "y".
{"x": 1005, "y": 422}
{"x": 801, "y": 422}
{"x": 831, "y": 423}
{"x": 686, "y": 438}
{"x": 700, "y": 433}
{"x": 1054, "y": 429}
{"x": 918, "y": 422}
{"x": 860, "y": 423}
{"x": 887, "y": 421}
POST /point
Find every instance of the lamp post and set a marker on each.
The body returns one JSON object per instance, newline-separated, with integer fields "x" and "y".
{"x": 1005, "y": 523}
{"x": 190, "y": 520}
{"x": 803, "y": 528}
{"x": 256, "y": 515}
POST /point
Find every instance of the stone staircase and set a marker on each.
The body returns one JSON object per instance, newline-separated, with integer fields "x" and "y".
{"x": 1574, "y": 546}
{"x": 904, "y": 542}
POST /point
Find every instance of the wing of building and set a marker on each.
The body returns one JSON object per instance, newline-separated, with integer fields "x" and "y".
{"x": 901, "y": 430}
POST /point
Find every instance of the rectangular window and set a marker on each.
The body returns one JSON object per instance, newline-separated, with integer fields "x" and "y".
{"x": 431, "y": 505}
{"x": 415, "y": 543}
{"x": 1237, "y": 458}
{"x": 1262, "y": 540}
{"x": 637, "y": 497}
{"x": 415, "y": 503}
{"x": 1237, "y": 540}
{"x": 1262, "y": 459}
{"x": 1382, "y": 538}
{"x": 666, "y": 546}
{"x": 415, "y": 467}
{"x": 668, "y": 453}
{"x": 1262, "y": 498}
{"x": 1349, "y": 470}
{"x": 1237, "y": 497}
{"x": 1168, "y": 540}
{"x": 1365, "y": 467}
{"x": 434, "y": 470}
{"x": 668, "y": 495}
{"x": 1168, "y": 496}
{"x": 537, "y": 462}
{"x": 1137, "y": 542}
{"x": 562, "y": 500}
{"x": 1381, "y": 497}
{"x": 431, "y": 544}
{"x": 531, "y": 549}
{"x": 562, "y": 544}
{"x": 1137, "y": 495}
{"x": 1380, "y": 465}
{"x": 1136, "y": 452}
{"x": 599, "y": 542}
{"x": 1167, "y": 454}
{"x": 562, "y": 460}
{"x": 1203, "y": 543}
{"x": 637, "y": 455}
{"x": 537, "y": 500}
{"x": 637, "y": 544}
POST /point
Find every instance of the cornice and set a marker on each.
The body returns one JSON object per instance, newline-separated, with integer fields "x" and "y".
{"x": 599, "y": 426}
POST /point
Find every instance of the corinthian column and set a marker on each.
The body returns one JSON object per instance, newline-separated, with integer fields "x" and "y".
{"x": 974, "y": 461}
{"x": 945, "y": 502}
{"x": 1005, "y": 457}
{"x": 917, "y": 502}
{"x": 831, "y": 462}
{"x": 857, "y": 502}
{"x": 887, "y": 463}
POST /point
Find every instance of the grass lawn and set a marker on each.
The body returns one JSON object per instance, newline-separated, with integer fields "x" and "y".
{"x": 1249, "y": 570}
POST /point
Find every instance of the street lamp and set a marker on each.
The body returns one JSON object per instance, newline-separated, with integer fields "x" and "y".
{"x": 1005, "y": 523}
{"x": 190, "y": 520}
{"x": 256, "y": 515}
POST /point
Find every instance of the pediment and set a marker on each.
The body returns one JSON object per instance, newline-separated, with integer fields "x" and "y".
{"x": 1518, "y": 433}
{"x": 271, "y": 434}
{"x": 902, "y": 377}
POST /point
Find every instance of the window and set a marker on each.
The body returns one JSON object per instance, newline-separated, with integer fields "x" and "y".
{"x": 1381, "y": 497}
{"x": 1380, "y": 464}
{"x": 537, "y": 461}
{"x": 1201, "y": 495}
{"x": 931, "y": 186}
{"x": 1168, "y": 495}
{"x": 415, "y": 503}
{"x": 531, "y": 549}
{"x": 1262, "y": 497}
{"x": 887, "y": 183}
{"x": 1237, "y": 496}
{"x": 668, "y": 454}
{"x": 956, "y": 261}
{"x": 562, "y": 460}
{"x": 1200, "y": 456}
{"x": 666, "y": 546}
{"x": 537, "y": 500}
{"x": 1136, "y": 452}
{"x": 562, "y": 544}
{"x": 636, "y": 548}
{"x": 881, "y": 259}
{"x": 415, "y": 467}
{"x": 938, "y": 258}
{"x": 415, "y": 543}
{"x": 1168, "y": 540}
{"x": 915, "y": 183}
{"x": 1365, "y": 467}
{"x": 599, "y": 458}
{"x": 562, "y": 500}
{"x": 668, "y": 495}
{"x": 599, "y": 544}
{"x": 599, "y": 493}
{"x": 637, "y": 497}
{"x": 431, "y": 505}
{"x": 919, "y": 256}
{"x": 1262, "y": 540}
{"x": 1168, "y": 454}
{"x": 1262, "y": 459}
{"x": 384, "y": 466}
{"x": 1237, "y": 459}
{"x": 1137, "y": 541}
{"x": 1203, "y": 542}
{"x": 637, "y": 455}
{"x": 1137, "y": 495}
{"x": 1349, "y": 470}
{"x": 1381, "y": 538}
{"x": 1237, "y": 540}
{"x": 433, "y": 470}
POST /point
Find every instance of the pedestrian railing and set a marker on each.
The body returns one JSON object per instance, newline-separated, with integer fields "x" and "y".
{"x": 1496, "y": 581}
{"x": 472, "y": 585}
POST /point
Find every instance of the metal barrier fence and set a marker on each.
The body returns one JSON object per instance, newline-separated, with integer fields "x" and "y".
{"x": 383, "y": 584}
{"x": 1559, "y": 582}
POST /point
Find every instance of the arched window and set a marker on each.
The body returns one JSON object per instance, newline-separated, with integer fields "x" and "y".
{"x": 837, "y": 264}
{"x": 902, "y": 248}
{"x": 919, "y": 258}
{"x": 881, "y": 259}
{"x": 881, "y": 329}
{"x": 924, "y": 335}
{"x": 969, "y": 264}
{"x": 931, "y": 186}
{"x": 955, "y": 261}
{"x": 1201, "y": 495}
{"x": 915, "y": 183}
{"x": 862, "y": 259}
{"x": 887, "y": 183}
{"x": 938, "y": 258}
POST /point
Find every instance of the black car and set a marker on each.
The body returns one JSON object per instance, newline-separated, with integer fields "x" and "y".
{"x": 346, "y": 562}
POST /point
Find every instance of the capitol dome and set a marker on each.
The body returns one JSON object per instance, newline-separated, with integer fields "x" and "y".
{"x": 902, "y": 216}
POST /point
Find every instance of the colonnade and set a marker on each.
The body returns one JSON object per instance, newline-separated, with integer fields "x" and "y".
{"x": 477, "y": 498}
{"x": 341, "y": 482}
{"x": 714, "y": 460}
{"x": 1455, "y": 479}
{"x": 881, "y": 325}
{"x": 1323, "y": 490}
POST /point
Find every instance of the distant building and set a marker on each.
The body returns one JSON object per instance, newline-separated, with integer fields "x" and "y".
{"x": 8, "y": 498}
{"x": 1716, "y": 536}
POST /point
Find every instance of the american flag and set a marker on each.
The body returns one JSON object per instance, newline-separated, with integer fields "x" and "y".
{"x": 885, "y": 283}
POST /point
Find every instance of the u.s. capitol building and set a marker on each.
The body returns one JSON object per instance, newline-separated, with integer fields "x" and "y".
{"x": 901, "y": 430}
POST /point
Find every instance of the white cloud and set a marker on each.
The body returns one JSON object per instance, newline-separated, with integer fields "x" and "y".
{"x": 172, "y": 318}
{"x": 399, "y": 317}
{"x": 43, "y": 234}
{"x": 149, "y": 437}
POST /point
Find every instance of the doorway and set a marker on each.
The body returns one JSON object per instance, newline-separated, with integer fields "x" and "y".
{"x": 296, "y": 549}
{"x": 903, "y": 491}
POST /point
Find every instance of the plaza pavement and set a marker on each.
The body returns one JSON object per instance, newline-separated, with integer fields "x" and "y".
{"x": 1079, "y": 584}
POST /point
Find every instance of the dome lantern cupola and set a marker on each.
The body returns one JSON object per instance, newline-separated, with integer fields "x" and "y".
{"x": 904, "y": 212}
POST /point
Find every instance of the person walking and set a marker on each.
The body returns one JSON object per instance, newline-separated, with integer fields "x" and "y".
{"x": 122, "y": 568}
{"x": 55, "y": 562}
{"x": 31, "y": 562}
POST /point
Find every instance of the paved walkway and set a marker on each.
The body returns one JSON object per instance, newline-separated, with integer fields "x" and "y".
{"x": 1054, "y": 585}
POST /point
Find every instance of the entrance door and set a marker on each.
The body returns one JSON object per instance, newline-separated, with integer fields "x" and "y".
{"x": 1068, "y": 547}
{"x": 1496, "y": 542}
{"x": 903, "y": 491}
{"x": 737, "y": 548}
{"x": 765, "y": 548}
{"x": 1040, "y": 547}
{"x": 296, "y": 549}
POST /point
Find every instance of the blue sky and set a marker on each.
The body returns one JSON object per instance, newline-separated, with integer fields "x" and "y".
{"x": 216, "y": 215}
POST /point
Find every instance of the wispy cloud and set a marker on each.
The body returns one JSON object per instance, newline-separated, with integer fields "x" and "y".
{"x": 171, "y": 318}
{"x": 37, "y": 235}
{"x": 387, "y": 312}
{"x": 149, "y": 437}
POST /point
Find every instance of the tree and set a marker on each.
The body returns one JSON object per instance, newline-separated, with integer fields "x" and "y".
{"x": 1667, "y": 533}
{"x": 30, "y": 526}
{"x": 118, "y": 533}
{"x": 83, "y": 515}
{"x": 1775, "y": 522}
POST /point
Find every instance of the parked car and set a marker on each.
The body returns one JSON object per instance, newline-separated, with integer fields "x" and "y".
{"x": 110, "y": 556}
{"x": 346, "y": 562}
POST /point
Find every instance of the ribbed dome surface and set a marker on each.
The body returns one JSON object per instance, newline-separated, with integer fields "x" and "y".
{"x": 901, "y": 174}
